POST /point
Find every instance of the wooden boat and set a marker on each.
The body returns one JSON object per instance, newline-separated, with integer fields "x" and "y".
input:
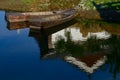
{"x": 54, "y": 20}
{"x": 25, "y": 16}
{"x": 42, "y": 19}
{"x": 17, "y": 25}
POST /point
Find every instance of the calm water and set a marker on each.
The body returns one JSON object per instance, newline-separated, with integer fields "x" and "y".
{"x": 21, "y": 56}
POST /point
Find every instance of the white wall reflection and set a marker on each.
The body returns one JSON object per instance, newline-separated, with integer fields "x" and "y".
{"x": 78, "y": 36}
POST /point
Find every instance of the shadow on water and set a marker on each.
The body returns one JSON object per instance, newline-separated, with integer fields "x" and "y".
{"x": 42, "y": 41}
{"x": 109, "y": 11}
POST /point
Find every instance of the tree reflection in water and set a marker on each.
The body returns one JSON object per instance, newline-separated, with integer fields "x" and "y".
{"x": 109, "y": 47}
{"x": 68, "y": 45}
{"x": 93, "y": 48}
{"x": 114, "y": 55}
{"x": 91, "y": 45}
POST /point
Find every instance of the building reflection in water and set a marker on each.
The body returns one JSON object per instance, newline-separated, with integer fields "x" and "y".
{"x": 85, "y": 45}
{"x": 87, "y": 53}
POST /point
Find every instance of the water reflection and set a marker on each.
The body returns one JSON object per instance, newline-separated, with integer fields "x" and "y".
{"x": 42, "y": 40}
{"x": 114, "y": 56}
{"x": 87, "y": 53}
{"x": 17, "y": 25}
{"x": 90, "y": 46}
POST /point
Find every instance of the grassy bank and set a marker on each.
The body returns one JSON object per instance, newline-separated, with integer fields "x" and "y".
{"x": 44, "y": 5}
{"x": 36, "y": 5}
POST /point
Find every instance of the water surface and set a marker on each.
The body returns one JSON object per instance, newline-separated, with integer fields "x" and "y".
{"x": 21, "y": 56}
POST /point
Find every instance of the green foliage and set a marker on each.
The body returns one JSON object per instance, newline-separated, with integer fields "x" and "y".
{"x": 88, "y": 4}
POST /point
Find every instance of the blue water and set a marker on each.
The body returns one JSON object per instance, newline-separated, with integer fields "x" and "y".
{"x": 20, "y": 60}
